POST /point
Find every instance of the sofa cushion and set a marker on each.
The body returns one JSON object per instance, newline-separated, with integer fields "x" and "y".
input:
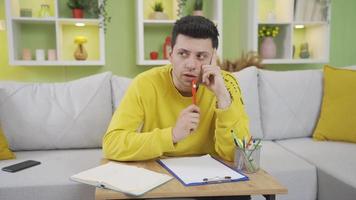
{"x": 334, "y": 159}
{"x": 5, "y": 152}
{"x": 247, "y": 79}
{"x": 290, "y": 170}
{"x": 74, "y": 114}
{"x": 119, "y": 86}
{"x": 338, "y": 112}
{"x": 290, "y": 102}
{"x": 50, "y": 179}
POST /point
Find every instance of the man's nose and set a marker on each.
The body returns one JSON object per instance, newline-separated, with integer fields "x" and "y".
{"x": 192, "y": 64}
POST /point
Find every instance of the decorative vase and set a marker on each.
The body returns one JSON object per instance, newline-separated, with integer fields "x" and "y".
{"x": 80, "y": 53}
{"x": 26, "y": 54}
{"x": 77, "y": 13}
{"x": 268, "y": 48}
{"x": 154, "y": 55}
{"x": 44, "y": 11}
{"x": 158, "y": 15}
{"x": 304, "y": 50}
{"x": 51, "y": 54}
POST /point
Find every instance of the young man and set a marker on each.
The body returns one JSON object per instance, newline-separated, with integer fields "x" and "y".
{"x": 157, "y": 116}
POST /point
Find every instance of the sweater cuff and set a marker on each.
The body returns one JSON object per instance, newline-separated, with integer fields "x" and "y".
{"x": 167, "y": 140}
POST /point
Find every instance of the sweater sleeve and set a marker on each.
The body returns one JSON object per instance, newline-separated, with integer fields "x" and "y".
{"x": 123, "y": 140}
{"x": 233, "y": 118}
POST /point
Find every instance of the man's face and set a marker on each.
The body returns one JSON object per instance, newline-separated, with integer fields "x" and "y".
{"x": 187, "y": 58}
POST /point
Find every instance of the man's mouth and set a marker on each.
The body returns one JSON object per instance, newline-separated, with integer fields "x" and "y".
{"x": 190, "y": 75}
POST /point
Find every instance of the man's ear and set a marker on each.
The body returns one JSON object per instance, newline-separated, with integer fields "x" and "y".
{"x": 170, "y": 55}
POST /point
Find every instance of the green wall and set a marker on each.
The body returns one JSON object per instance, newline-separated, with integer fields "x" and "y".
{"x": 121, "y": 43}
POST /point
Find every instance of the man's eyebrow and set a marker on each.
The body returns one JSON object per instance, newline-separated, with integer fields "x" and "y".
{"x": 198, "y": 53}
{"x": 202, "y": 52}
{"x": 182, "y": 49}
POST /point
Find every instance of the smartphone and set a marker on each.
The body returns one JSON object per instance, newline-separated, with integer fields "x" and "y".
{"x": 21, "y": 166}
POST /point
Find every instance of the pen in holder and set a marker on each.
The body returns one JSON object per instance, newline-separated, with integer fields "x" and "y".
{"x": 247, "y": 160}
{"x": 247, "y": 154}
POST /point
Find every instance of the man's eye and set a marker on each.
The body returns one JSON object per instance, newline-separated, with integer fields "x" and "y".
{"x": 183, "y": 54}
{"x": 202, "y": 57}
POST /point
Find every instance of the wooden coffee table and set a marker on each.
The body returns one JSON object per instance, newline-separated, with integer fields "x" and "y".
{"x": 260, "y": 183}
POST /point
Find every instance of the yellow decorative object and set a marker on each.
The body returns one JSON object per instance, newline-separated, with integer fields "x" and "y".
{"x": 338, "y": 112}
{"x": 80, "y": 53}
{"x": 5, "y": 152}
{"x": 80, "y": 40}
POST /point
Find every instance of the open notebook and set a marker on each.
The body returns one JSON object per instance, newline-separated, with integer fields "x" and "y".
{"x": 200, "y": 170}
{"x": 123, "y": 178}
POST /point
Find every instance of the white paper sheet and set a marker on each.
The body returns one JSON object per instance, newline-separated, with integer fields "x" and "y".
{"x": 196, "y": 170}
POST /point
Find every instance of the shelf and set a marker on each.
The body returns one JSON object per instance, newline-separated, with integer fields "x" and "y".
{"x": 72, "y": 21}
{"x": 158, "y": 22}
{"x": 294, "y": 61}
{"x": 276, "y": 23}
{"x": 33, "y": 5}
{"x": 151, "y": 33}
{"x": 33, "y": 36}
{"x": 56, "y": 63}
{"x": 153, "y": 62}
{"x": 34, "y": 20}
{"x": 67, "y": 34}
{"x": 275, "y": 11}
{"x": 286, "y": 14}
{"x": 311, "y": 23}
{"x": 317, "y": 37}
{"x": 56, "y": 32}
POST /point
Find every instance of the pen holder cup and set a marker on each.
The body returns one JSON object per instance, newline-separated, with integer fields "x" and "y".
{"x": 247, "y": 160}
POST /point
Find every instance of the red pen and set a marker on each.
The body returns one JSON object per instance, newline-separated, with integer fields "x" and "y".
{"x": 194, "y": 91}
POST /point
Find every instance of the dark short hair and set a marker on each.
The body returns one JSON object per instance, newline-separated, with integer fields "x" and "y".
{"x": 195, "y": 27}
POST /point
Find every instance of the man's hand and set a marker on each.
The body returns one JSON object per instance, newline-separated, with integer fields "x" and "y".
{"x": 187, "y": 122}
{"x": 212, "y": 78}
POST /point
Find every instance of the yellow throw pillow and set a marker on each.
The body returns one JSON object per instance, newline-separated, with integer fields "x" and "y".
{"x": 5, "y": 152}
{"x": 337, "y": 119}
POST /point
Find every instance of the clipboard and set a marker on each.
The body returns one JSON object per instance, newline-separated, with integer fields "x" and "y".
{"x": 201, "y": 170}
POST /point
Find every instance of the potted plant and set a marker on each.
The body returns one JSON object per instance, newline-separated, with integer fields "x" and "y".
{"x": 251, "y": 58}
{"x": 77, "y": 7}
{"x": 198, "y": 8}
{"x": 181, "y": 5}
{"x": 158, "y": 11}
{"x": 100, "y": 11}
{"x": 268, "y": 47}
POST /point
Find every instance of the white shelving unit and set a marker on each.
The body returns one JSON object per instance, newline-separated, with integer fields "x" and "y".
{"x": 150, "y": 34}
{"x": 287, "y": 14}
{"x": 54, "y": 32}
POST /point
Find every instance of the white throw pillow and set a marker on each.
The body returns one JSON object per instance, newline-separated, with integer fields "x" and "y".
{"x": 119, "y": 86}
{"x": 247, "y": 79}
{"x": 38, "y": 116}
{"x": 290, "y": 102}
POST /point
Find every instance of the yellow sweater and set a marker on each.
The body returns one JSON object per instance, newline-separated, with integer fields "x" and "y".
{"x": 141, "y": 127}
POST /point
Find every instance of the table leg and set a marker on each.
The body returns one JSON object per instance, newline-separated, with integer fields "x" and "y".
{"x": 270, "y": 196}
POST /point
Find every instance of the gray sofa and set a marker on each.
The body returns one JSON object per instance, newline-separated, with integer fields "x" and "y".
{"x": 62, "y": 124}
